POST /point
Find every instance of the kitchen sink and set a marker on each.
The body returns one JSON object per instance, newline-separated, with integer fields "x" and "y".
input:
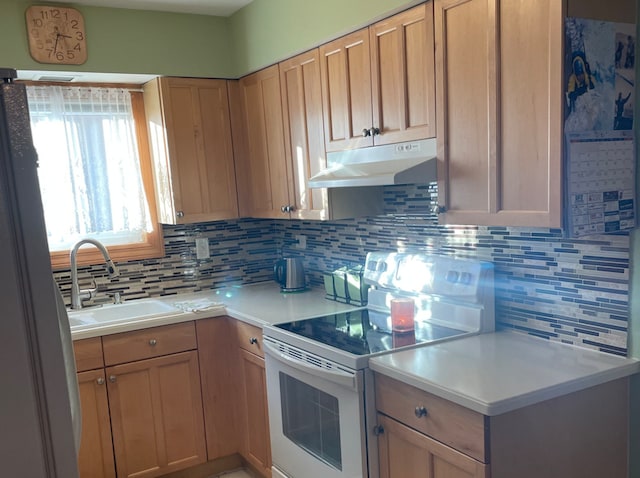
{"x": 134, "y": 310}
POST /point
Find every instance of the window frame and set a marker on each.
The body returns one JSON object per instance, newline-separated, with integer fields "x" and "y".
{"x": 153, "y": 242}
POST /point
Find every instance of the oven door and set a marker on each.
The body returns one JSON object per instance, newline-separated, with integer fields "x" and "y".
{"x": 316, "y": 415}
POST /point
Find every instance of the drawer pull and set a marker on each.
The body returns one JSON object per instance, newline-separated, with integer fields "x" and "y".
{"x": 100, "y": 381}
{"x": 378, "y": 430}
{"x": 420, "y": 412}
{"x": 253, "y": 341}
{"x": 153, "y": 342}
{"x": 112, "y": 378}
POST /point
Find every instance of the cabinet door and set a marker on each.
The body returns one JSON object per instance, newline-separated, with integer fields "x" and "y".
{"x": 304, "y": 132}
{"x": 156, "y": 415}
{"x": 216, "y": 339}
{"x": 405, "y": 453}
{"x": 95, "y": 459}
{"x": 256, "y": 448}
{"x": 403, "y": 76}
{"x": 499, "y": 111}
{"x": 195, "y": 174}
{"x": 346, "y": 87}
{"x": 263, "y": 171}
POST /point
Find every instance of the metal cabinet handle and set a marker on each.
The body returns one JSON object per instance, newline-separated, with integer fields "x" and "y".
{"x": 375, "y": 131}
{"x": 153, "y": 342}
{"x": 366, "y": 133}
{"x": 420, "y": 412}
{"x": 378, "y": 430}
{"x": 179, "y": 214}
{"x": 100, "y": 381}
{"x": 253, "y": 341}
{"x": 287, "y": 209}
{"x": 112, "y": 378}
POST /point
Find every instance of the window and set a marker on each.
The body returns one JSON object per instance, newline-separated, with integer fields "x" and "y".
{"x": 94, "y": 171}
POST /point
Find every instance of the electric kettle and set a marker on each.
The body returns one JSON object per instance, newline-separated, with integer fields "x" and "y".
{"x": 289, "y": 273}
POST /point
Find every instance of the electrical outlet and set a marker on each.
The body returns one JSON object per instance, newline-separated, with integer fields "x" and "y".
{"x": 301, "y": 241}
{"x": 202, "y": 248}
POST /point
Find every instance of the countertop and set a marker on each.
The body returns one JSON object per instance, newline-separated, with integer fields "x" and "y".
{"x": 490, "y": 373}
{"x": 258, "y": 304}
{"x": 499, "y": 372}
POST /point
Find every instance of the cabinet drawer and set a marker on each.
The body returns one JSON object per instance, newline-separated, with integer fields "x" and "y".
{"x": 88, "y": 353}
{"x": 447, "y": 422}
{"x": 147, "y": 343}
{"x": 249, "y": 338}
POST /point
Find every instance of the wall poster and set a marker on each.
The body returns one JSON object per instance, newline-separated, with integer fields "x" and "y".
{"x": 599, "y": 114}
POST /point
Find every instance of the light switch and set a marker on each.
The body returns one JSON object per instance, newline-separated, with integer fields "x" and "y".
{"x": 202, "y": 248}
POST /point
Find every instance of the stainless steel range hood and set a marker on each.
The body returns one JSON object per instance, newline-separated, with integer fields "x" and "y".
{"x": 403, "y": 163}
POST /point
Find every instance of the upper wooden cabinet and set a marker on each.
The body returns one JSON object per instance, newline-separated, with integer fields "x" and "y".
{"x": 304, "y": 132}
{"x": 499, "y": 111}
{"x": 378, "y": 83}
{"x": 305, "y": 148}
{"x": 259, "y": 143}
{"x": 190, "y": 139}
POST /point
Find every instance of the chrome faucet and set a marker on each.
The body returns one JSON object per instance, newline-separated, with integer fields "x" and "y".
{"x": 77, "y": 294}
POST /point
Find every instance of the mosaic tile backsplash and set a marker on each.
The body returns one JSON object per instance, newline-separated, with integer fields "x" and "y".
{"x": 569, "y": 290}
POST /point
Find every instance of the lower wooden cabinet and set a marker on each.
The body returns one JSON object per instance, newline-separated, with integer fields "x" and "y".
{"x": 256, "y": 445}
{"x": 163, "y": 399}
{"x": 574, "y": 435}
{"x": 406, "y": 453}
{"x": 156, "y": 415}
{"x": 253, "y": 414}
{"x": 95, "y": 459}
{"x": 142, "y": 415}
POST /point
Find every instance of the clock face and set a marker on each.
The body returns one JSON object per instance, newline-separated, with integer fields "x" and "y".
{"x": 56, "y": 35}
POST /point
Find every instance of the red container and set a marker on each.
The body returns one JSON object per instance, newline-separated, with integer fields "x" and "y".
{"x": 402, "y": 315}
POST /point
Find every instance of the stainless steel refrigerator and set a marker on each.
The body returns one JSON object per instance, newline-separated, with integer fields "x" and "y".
{"x": 39, "y": 407}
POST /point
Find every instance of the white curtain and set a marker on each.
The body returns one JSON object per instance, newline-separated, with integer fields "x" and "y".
{"x": 89, "y": 168}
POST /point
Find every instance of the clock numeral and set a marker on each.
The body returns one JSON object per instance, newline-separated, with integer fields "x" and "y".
{"x": 37, "y": 22}
{"x": 79, "y": 36}
{"x": 70, "y": 54}
{"x": 59, "y": 56}
{"x": 77, "y": 47}
{"x": 74, "y": 24}
{"x": 47, "y": 14}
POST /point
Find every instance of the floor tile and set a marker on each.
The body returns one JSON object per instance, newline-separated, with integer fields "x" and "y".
{"x": 234, "y": 474}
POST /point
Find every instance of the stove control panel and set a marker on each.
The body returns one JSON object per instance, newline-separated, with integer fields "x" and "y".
{"x": 429, "y": 274}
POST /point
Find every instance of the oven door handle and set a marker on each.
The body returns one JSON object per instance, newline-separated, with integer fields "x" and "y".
{"x": 339, "y": 377}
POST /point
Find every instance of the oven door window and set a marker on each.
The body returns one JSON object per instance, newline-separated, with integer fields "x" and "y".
{"x": 311, "y": 420}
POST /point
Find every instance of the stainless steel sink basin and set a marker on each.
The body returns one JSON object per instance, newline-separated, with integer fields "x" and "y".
{"x": 134, "y": 310}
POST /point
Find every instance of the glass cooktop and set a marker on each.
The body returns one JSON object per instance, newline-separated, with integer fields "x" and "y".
{"x": 353, "y": 333}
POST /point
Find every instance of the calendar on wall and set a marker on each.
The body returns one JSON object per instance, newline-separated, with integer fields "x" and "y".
{"x": 600, "y": 182}
{"x": 599, "y": 114}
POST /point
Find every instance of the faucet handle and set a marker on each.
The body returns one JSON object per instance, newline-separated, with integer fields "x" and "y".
{"x": 86, "y": 294}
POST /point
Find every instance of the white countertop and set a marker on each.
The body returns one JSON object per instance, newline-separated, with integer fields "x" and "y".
{"x": 499, "y": 372}
{"x": 258, "y": 304}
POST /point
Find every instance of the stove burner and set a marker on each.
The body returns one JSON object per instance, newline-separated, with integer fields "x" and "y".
{"x": 353, "y": 332}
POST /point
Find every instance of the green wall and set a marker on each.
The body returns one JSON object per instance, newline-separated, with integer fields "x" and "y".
{"x": 131, "y": 41}
{"x": 267, "y": 31}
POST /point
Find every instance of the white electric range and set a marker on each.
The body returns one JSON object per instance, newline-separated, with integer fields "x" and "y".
{"x": 319, "y": 388}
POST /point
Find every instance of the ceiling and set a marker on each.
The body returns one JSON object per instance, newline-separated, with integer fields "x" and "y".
{"x": 222, "y": 8}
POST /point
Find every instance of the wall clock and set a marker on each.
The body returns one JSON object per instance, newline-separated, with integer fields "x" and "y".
{"x": 56, "y": 35}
